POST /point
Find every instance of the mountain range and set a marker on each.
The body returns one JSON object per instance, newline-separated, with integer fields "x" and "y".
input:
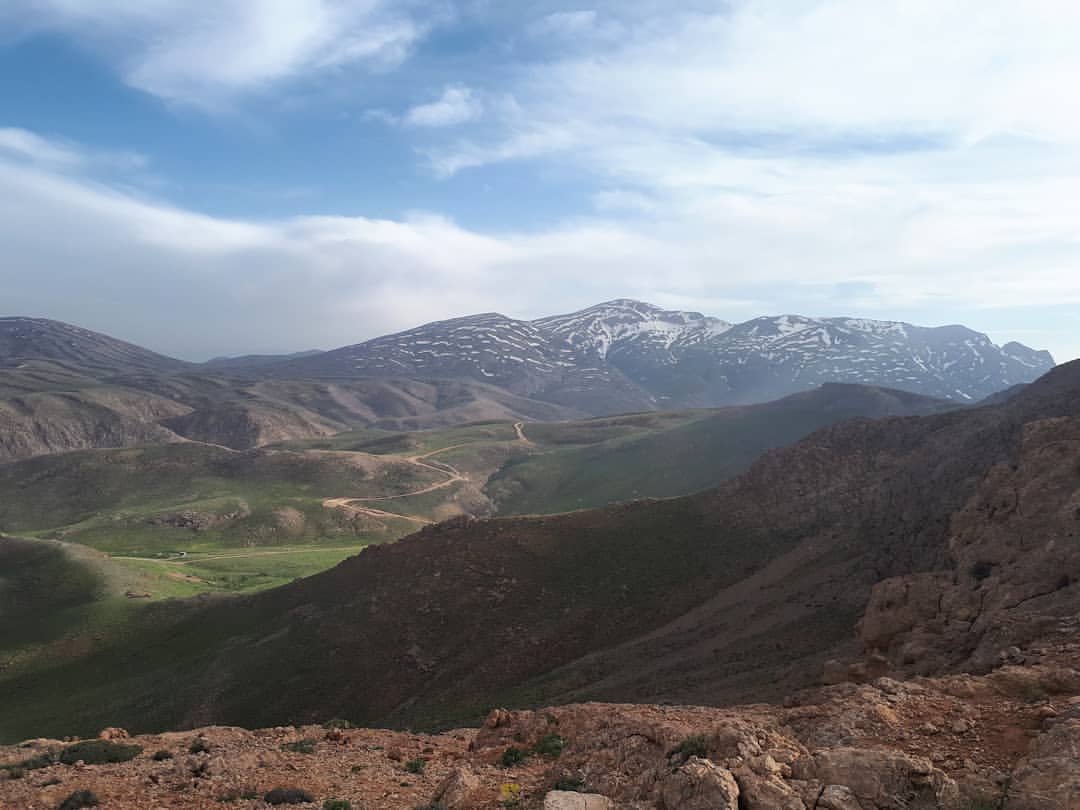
{"x": 65, "y": 388}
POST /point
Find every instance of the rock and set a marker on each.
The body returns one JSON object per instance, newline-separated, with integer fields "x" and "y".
{"x": 497, "y": 718}
{"x": 700, "y": 785}
{"x": 1049, "y": 777}
{"x": 113, "y": 733}
{"x": 568, "y": 800}
{"x": 458, "y": 789}
{"x": 837, "y": 797}
{"x": 762, "y": 789}
{"x": 886, "y": 780}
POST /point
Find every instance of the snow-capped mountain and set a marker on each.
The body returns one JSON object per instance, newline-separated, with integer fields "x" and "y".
{"x": 625, "y": 355}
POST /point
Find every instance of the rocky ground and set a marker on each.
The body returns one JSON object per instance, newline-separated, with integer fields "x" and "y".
{"x": 1009, "y": 739}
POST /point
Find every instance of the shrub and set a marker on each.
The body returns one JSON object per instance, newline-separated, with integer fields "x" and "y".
{"x": 99, "y": 752}
{"x": 78, "y": 800}
{"x": 512, "y": 756}
{"x": 38, "y": 761}
{"x": 16, "y": 772}
{"x": 416, "y": 766}
{"x": 551, "y": 745}
{"x": 569, "y": 783}
{"x": 336, "y": 804}
{"x": 199, "y": 746}
{"x": 288, "y": 796}
{"x": 162, "y": 755}
{"x": 691, "y": 747}
{"x": 432, "y": 806}
{"x": 304, "y": 746}
{"x": 337, "y": 724}
{"x": 981, "y": 570}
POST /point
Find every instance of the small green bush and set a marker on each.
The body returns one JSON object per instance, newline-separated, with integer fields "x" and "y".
{"x": 16, "y": 772}
{"x": 162, "y": 755}
{"x": 513, "y": 756}
{"x": 336, "y": 804}
{"x": 304, "y": 746}
{"x": 288, "y": 796}
{"x": 39, "y": 761}
{"x": 416, "y": 766}
{"x": 78, "y": 800}
{"x": 99, "y": 752}
{"x": 691, "y": 747}
{"x": 570, "y": 784}
{"x": 551, "y": 745}
{"x": 199, "y": 746}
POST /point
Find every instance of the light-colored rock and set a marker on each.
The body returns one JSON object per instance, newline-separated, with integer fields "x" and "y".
{"x": 459, "y": 789}
{"x": 113, "y": 733}
{"x": 762, "y": 788}
{"x": 568, "y": 800}
{"x": 700, "y": 785}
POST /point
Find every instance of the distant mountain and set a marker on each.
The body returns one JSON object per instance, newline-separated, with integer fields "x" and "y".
{"x": 248, "y": 361}
{"x": 626, "y": 355}
{"x": 40, "y": 339}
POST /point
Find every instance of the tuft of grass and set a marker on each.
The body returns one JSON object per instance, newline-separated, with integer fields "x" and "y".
{"x": 281, "y": 795}
{"x": 16, "y": 772}
{"x": 78, "y": 800}
{"x": 304, "y": 746}
{"x": 162, "y": 755}
{"x": 416, "y": 766}
{"x": 512, "y": 757}
{"x": 336, "y": 804}
{"x": 99, "y": 752}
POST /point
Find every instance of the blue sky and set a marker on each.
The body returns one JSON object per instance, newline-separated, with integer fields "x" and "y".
{"x": 273, "y": 175}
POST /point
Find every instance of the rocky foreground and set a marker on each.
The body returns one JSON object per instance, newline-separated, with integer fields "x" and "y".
{"x": 1009, "y": 739}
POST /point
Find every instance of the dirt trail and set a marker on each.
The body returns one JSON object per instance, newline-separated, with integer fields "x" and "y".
{"x": 519, "y": 429}
{"x": 346, "y": 504}
{"x": 198, "y": 559}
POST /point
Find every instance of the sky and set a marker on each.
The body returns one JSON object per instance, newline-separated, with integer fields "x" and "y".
{"x": 278, "y": 175}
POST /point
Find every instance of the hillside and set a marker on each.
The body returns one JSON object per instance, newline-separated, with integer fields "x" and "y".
{"x": 24, "y": 339}
{"x": 746, "y": 589}
{"x": 701, "y": 450}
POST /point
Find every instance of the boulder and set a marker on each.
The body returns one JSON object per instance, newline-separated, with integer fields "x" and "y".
{"x": 459, "y": 789}
{"x": 568, "y": 800}
{"x": 886, "y": 780}
{"x": 837, "y": 797}
{"x": 700, "y": 785}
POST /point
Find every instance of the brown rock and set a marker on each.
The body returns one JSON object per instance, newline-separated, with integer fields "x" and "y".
{"x": 459, "y": 789}
{"x": 112, "y": 733}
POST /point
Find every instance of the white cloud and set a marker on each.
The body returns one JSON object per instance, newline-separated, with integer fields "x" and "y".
{"x": 457, "y": 105}
{"x": 207, "y": 54}
{"x": 198, "y": 285}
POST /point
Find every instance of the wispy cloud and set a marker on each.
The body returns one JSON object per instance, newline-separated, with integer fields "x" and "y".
{"x": 207, "y": 55}
{"x": 457, "y": 105}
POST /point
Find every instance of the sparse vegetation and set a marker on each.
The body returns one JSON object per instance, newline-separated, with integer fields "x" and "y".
{"x": 981, "y": 569}
{"x": 690, "y": 747}
{"x": 99, "y": 752}
{"x": 304, "y": 746}
{"x": 162, "y": 755}
{"x": 78, "y": 800}
{"x": 550, "y": 745}
{"x": 512, "y": 757}
{"x": 283, "y": 795}
{"x": 337, "y": 724}
{"x": 569, "y": 783}
{"x": 199, "y": 746}
{"x": 416, "y": 766}
{"x": 16, "y": 772}
{"x": 337, "y": 804}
